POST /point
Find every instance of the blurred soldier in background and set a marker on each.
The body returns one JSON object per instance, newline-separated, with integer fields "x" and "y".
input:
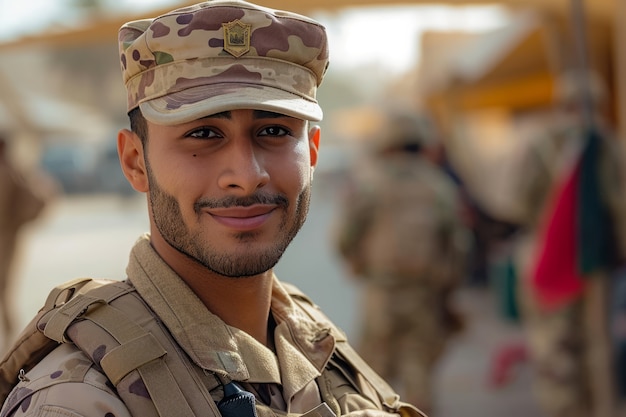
{"x": 402, "y": 236}
{"x": 571, "y": 191}
{"x": 20, "y": 203}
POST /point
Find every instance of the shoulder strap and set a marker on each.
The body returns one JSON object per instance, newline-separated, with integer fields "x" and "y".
{"x": 120, "y": 334}
{"x": 386, "y": 394}
{"x": 31, "y": 346}
{"x": 138, "y": 349}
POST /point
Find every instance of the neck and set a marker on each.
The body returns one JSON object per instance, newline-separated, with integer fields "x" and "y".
{"x": 243, "y": 303}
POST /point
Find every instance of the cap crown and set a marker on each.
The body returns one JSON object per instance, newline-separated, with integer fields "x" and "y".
{"x": 222, "y": 46}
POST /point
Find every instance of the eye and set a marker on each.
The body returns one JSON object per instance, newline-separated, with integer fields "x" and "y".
{"x": 203, "y": 133}
{"x": 274, "y": 131}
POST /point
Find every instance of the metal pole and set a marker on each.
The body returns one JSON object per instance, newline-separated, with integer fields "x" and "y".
{"x": 620, "y": 66}
{"x": 579, "y": 34}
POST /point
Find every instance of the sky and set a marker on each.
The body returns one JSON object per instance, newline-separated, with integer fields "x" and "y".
{"x": 386, "y": 36}
{"x": 390, "y": 35}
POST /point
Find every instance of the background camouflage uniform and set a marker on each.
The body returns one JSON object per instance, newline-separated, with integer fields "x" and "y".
{"x": 568, "y": 345}
{"x": 401, "y": 234}
{"x": 20, "y": 203}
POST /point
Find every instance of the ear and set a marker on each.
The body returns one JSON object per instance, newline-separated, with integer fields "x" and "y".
{"x": 131, "y": 153}
{"x": 314, "y": 144}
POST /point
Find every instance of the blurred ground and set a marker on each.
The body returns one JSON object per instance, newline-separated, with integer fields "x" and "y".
{"x": 463, "y": 387}
{"x": 92, "y": 235}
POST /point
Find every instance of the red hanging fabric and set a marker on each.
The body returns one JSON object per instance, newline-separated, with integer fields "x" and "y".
{"x": 555, "y": 277}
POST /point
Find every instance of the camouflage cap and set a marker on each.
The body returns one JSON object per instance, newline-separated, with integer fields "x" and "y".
{"x": 223, "y": 55}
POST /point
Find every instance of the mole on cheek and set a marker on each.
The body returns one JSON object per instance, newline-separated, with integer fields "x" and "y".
{"x": 194, "y": 155}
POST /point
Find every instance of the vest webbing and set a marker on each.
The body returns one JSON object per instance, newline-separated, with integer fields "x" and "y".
{"x": 110, "y": 311}
{"x": 31, "y": 345}
{"x": 387, "y": 395}
{"x": 90, "y": 313}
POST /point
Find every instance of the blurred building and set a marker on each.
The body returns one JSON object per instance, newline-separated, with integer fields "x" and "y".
{"x": 492, "y": 92}
{"x": 486, "y": 90}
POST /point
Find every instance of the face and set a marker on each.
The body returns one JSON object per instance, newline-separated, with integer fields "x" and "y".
{"x": 232, "y": 190}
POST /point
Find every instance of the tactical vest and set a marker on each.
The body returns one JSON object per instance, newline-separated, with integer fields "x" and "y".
{"x": 138, "y": 346}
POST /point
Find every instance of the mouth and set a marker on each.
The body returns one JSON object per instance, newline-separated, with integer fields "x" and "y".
{"x": 243, "y": 218}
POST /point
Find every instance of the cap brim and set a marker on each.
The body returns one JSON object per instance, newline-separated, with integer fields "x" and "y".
{"x": 201, "y": 101}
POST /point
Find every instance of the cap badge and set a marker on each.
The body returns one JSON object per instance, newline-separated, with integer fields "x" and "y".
{"x": 236, "y": 38}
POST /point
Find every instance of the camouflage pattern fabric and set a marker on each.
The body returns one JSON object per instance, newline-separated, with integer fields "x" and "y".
{"x": 401, "y": 233}
{"x": 213, "y": 57}
{"x": 67, "y": 374}
{"x": 557, "y": 349}
{"x": 560, "y": 341}
{"x": 401, "y": 218}
{"x": 68, "y": 382}
{"x": 223, "y": 55}
{"x": 20, "y": 203}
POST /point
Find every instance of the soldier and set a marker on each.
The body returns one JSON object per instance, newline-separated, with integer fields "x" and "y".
{"x": 221, "y": 97}
{"x": 20, "y": 203}
{"x": 402, "y": 235}
{"x": 563, "y": 285}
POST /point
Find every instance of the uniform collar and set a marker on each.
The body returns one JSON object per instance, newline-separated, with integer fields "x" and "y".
{"x": 303, "y": 346}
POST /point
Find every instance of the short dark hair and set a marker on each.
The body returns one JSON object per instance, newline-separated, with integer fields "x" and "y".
{"x": 138, "y": 124}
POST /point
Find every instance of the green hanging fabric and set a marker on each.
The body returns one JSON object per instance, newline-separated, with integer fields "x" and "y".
{"x": 594, "y": 223}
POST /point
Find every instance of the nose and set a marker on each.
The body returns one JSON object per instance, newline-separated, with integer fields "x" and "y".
{"x": 244, "y": 167}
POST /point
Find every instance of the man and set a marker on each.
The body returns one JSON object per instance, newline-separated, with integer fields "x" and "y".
{"x": 402, "y": 235}
{"x": 20, "y": 203}
{"x": 571, "y": 191}
{"x": 220, "y": 96}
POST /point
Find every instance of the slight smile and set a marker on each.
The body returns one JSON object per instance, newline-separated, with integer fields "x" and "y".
{"x": 243, "y": 218}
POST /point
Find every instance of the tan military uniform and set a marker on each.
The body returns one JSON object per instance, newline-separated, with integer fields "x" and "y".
{"x": 67, "y": 383}
{"x": 402, "y": 235}
{"x": 569, "y": 346}
{"x": 19, "y": 204}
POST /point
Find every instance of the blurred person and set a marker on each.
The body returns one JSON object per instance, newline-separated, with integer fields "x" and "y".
{"x": 489, "y": 232}
{"x": 21, "y": 201}
{"x": 571, "y": 190}
{"x": 221, "y": 101}
{"x": 401, "y": 234}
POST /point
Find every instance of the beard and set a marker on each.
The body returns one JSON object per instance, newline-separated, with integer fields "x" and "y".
{"x": 251, "y": 259}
